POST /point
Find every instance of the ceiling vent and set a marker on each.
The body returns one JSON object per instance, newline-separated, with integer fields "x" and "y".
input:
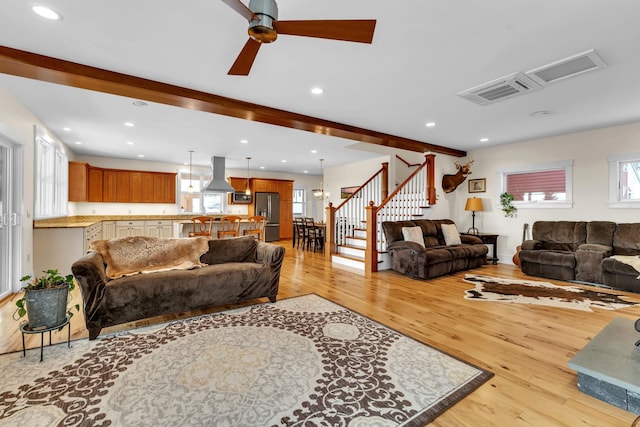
{"x": 568, "y": 67}
{"x": 496, "y": 90}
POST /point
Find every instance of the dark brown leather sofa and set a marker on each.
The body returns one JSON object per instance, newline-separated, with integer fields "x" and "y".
{"x": 581, "y": 251}
{"x": 237, "y": 270}
{"x": 436, "y": 258}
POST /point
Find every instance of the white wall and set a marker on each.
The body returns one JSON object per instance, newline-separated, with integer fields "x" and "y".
{"x": 17, "y": 124}
{"x": 588, "y": 150}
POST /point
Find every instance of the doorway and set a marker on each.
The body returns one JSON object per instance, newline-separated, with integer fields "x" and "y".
{"x": 10, "y": 199}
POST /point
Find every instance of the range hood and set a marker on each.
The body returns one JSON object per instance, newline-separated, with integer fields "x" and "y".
{"x": 218, "y": 184}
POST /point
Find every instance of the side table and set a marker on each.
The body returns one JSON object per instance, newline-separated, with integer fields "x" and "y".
{"x": 488, "y": 239}
{"x": 24, "y": 328}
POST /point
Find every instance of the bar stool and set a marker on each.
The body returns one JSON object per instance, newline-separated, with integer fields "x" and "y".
{"x": 256, "y": 227}
{"x": 229, "y": 227}
{"x": 201, "y": 226}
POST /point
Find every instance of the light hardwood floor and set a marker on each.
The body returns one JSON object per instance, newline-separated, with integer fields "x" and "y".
{"x": 527, "y": 347}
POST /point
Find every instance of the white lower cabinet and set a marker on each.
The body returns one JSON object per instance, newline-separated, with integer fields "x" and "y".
{"x": 158, "y": 228}
{"x": 129, "y": 228}
{"x": 108, "y": 230}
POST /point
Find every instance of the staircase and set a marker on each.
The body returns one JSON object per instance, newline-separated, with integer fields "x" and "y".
{"x": 354, "y": 234}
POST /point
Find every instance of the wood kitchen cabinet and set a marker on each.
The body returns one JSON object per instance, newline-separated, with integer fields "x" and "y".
{"x": 92, "y": 184}
{"x": 283, "y": 187}
{"x": 95, "y": 178}
{"x": 78, "y": 182}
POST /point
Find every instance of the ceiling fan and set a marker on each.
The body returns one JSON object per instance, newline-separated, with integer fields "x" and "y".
{"x": 264, "y": 27}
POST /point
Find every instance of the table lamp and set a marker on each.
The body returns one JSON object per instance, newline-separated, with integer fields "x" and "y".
{"x": 474, "y": 205}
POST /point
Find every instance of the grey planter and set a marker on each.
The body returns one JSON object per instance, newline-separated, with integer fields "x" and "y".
{"x": 46, "y": 307}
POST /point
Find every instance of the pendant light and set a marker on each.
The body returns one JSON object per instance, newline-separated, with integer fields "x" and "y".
{"x": 190, "y": 188}
{"x": 247, "y": 191}
{"x": 319, "y": 192}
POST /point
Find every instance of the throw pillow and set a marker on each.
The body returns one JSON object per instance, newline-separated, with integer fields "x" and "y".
{"x": 451, "y": 235}
{"x": 237, "y": 249}
{"x": 413, "y": 234}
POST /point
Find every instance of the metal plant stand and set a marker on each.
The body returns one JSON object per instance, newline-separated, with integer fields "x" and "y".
{"x": 24, "y": 329}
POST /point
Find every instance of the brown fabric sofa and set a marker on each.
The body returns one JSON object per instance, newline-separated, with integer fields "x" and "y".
{"x": 580, "y": 250}
{"x": 236, "y": 270}
{"x": 436, "y": 258}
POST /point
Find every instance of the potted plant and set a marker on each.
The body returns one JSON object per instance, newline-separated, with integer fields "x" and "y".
{"x": 507, "y": 207}
{"x": 45, "y": 300}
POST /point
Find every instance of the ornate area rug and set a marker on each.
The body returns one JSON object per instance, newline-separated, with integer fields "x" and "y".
{"x": 541, "y": 293}
{"x": 303, "y": 361}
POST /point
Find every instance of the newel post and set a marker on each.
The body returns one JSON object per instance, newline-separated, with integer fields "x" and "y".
{"x": 431, "y": 178}
{"x": 330, "y": 238}
{"x": 371, "y": 252}
{"x": 385, "y": 180}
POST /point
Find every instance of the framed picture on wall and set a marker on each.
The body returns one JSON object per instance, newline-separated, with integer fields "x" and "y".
{"x": 478, "y": 185}
{"x": 347, "y": 191}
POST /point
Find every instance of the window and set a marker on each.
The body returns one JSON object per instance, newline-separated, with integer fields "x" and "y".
{"x": 547, "y": 185}
{"x": 51, "y": 178}
{"x": 193, "y": 201}
{"x": 299, "y": 202}
{"x": 624, "y": 181}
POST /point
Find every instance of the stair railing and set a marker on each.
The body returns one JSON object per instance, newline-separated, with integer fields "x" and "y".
{"x": 351, "y": 214}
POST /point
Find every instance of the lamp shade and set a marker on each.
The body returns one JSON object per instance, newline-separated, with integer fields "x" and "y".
{"x": 474, "y": 204}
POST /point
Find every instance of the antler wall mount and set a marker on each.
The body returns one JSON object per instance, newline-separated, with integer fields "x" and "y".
{"x": 264, "y": 27}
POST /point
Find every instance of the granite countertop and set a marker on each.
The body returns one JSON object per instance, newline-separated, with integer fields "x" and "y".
{"x": 88, "y": 220}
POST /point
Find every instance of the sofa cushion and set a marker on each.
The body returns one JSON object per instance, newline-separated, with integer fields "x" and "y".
{"x": 451, "y": 234}
{"x": 560, "y": 235}
{"x": 600, "y": 232}
{"x": 626, "y": 240}
{"x": 125, "y": 256}
{"x": 413, "y": 234}
{"x": 393, "y": 229}
{"x": 238, "y": 249}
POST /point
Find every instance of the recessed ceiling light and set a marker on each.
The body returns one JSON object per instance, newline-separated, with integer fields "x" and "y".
{"x": 314, "y": 151}
{"x": 244, "y": 141}
{"x": 129, "y": 124}
{"x": 140, "y": 155}
{"x": 261, "y": 167}
{"x": 317, "y": 91}
{"x": 306, "y": 171}
{"x": 484, "y": 139}
{"x": 283, "y": 161}
{"x": 78, "y": 143}
{"x": 46, "y": 12}
{"x": 430, "y": 124}
{"x": 139, "y": 103}
{"x": 66, "y": 129}
{"x": 131, "y": 143}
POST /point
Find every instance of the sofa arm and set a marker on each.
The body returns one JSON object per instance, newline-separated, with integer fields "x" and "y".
{"x": 531, "y": 245}
{"x": 272, "y": 256}
{"x": 588, "y": 262}
{"x": 90, "y": 274}
{"x": 590, "y": 247}
{"x": 408, "y": 258}
{"x": 470, "y": 240}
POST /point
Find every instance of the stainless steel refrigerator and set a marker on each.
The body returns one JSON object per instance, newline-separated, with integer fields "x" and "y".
{"x": 268, "y": 205}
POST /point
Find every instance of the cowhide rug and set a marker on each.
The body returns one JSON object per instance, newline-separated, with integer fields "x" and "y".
{"x": 542, "y": 293}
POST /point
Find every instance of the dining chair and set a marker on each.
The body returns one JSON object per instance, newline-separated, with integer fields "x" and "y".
{"x": 314, "y": 237}
{"x": 298, "y": 232}
{"x": 256, "y": 227}
{"x": 229, "y": 226}
{"x": 201, "y": 226}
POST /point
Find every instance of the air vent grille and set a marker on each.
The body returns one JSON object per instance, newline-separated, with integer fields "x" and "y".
{"x": 567, "y": 67}
{"x": 496, "y": 90}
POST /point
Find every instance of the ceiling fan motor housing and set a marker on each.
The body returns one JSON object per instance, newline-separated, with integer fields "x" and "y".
{"x": 262, "y": 31}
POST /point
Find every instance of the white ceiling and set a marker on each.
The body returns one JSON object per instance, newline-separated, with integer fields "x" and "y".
{"x": 423, "y": 53}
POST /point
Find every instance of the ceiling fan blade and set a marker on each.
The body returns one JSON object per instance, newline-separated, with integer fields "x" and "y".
{"x": 360, "y": 31}
{"x": 240, "y": 7}
{"x": 244, "y": 61}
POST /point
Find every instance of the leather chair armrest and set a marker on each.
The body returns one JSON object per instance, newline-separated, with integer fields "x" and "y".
{"x": 471, "y": 240}
{"x": 405, "y": 245}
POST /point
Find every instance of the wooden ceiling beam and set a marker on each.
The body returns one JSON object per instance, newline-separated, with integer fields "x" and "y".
{"x": 53, "y": 70}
